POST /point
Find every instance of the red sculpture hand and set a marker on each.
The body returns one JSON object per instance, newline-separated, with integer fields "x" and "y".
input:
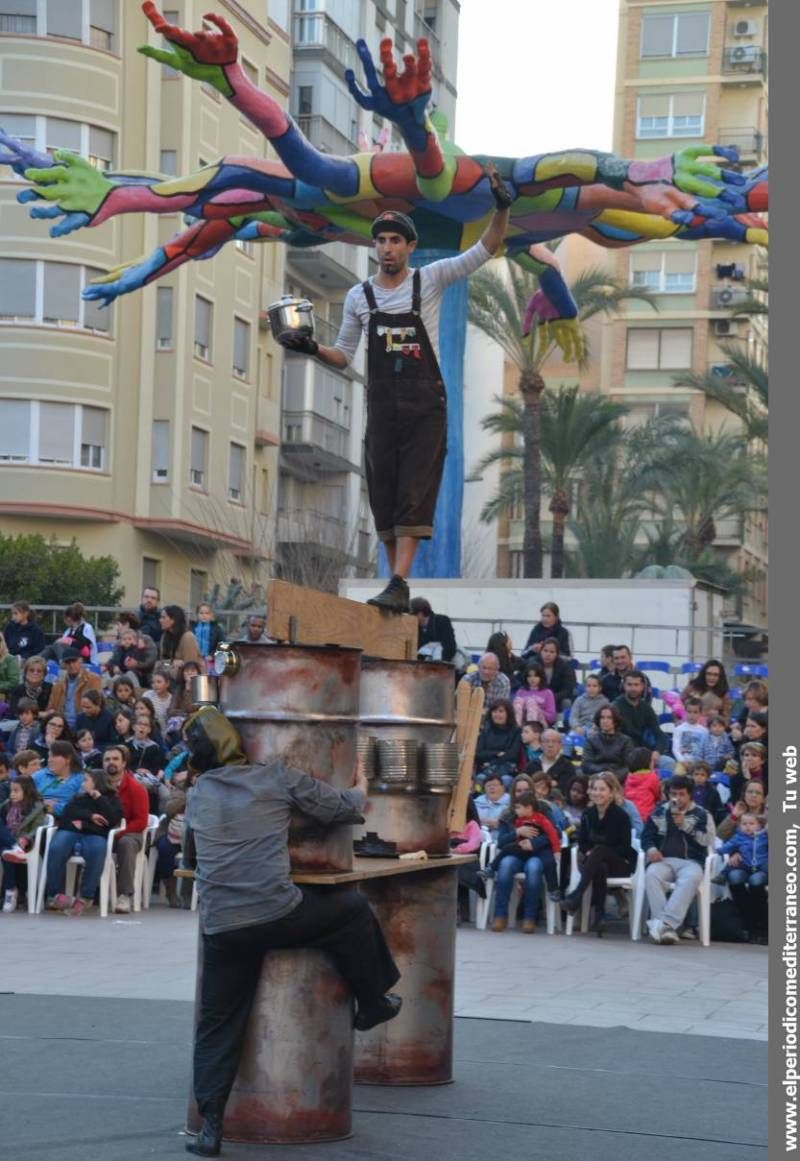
{"x": 414, "y": 81}
{"x": 212, "y": 48}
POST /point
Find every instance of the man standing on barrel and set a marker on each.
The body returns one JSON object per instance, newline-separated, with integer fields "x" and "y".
{"x": 406, "y": 438}
{"x": 237, "y": 825}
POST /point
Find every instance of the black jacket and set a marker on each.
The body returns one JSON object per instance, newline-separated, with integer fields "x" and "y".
{"x": 562, "y": 770}
{"x": 100, "y": 727}
{"x": 149, "y": 623}
{"x": 41, "y": 699}
{"x": 562, "y": 681}
{"x": 438, "y": 628}
{"x": 24, "y": 640}
{"x": 611, "y": 685}
{"x": 606, "y": 752}
{"x": 538, "y": 634}
{"x": 83, "y": 806}
{"x": 496, "y": 739}
{"x": 613, "y": 830}
{"x": 146, "y": 756}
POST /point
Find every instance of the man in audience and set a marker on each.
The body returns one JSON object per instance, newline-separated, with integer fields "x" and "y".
{"x": 62, "y": 778}
{"x": 23, "y": 636}
{"x": 135, "y": 653}
{"x": 95, "y": 718}
{"x": 553, "y": 761}
{"x": 639, "y": 720}
{"x": 676, "y": 839}
{"x": 149, "y": 614}
{"x": 74, "y": 682}
{"x": 491, "y": 804}
{"x": 496, "y": 686}
{"x": 253, "y": 630}
{"x": 434, "y": 629}
{"x": 135, "y": 811}
{"x": 612, "y": 683}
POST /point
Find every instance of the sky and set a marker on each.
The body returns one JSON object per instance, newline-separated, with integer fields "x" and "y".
{"x": 535, "y": 76}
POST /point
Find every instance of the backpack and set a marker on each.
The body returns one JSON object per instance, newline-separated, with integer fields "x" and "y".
{"x": 726, "y": 922}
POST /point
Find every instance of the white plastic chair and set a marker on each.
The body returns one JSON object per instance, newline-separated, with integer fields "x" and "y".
{"x": 146, "y": 865}
{"x": 482, "y": 906}
{"x": 108, "y": 878}
{"x": 703, "y": 899}
{"x": 633, "y": 885}
{"x": 33, "y": 861}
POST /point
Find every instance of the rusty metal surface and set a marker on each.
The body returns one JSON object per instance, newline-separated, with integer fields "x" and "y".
{"x": 294, "y": 1083}
{"x": 415, "y": 822}
{"x": 299, "y": 703}
{"x": 418, "y": 916}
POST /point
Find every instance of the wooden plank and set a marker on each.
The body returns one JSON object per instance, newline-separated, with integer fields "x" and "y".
{"x": 369, "y": 869}
{"x": 324, "y": 619}
{"x": 457, "y": 818}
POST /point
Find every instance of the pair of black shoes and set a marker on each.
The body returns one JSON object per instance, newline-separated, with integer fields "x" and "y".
{"x": 386, "y": 1008}
{"x": 395, "y": 597}
{"x": 208, "y": 1141}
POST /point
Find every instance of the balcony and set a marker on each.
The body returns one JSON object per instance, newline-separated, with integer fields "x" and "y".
{"x": 268, "y": 423}
{"x": 745, "y": 62}
{"x": 305, "y": 526}
{"x": 316, "y": 32}
{"x": 749, "y": 142}
{"x": 325, "y": 136}
{"x": 332, "y": 267}
{"x": 313, "y": 445}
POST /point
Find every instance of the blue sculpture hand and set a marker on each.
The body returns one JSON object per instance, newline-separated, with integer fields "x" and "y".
{"x": 403, "y": 99}
{"x": 20, "y": 156}
{"x": 124, "y": 278}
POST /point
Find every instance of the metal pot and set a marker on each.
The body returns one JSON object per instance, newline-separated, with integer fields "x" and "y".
{"x": 204, "y": 690}
{"x": 291, "y": 318}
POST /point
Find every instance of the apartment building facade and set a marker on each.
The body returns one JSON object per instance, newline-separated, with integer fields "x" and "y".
{"x": 148, "y": 431}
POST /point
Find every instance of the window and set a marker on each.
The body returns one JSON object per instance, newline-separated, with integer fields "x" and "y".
{"x": 59, "y": 434}
{"x": 668, "y": 349}
{"x": 61, "y": 134}
{"x": 198, "y": 586}
{"x": 199, "y": 458}
{"x": 236, "y": 473}
{"x": 93, "y": 437}
{"x": 101, "y": 148}
{"x": 62, "y": 294}
{"x": 65, "y": 18}
{"x": 17, "y": 289}
{"x": 250, "y": 71}
{"x": 172, "y": 16}
{"x": 644, "y": 410}
{"x": 150, "y": 573}
{"x": 18, "y": 16}
{"x": 160, "y": 467}
{"x": 49, "y": 293}
{"x": 664, "y": 271}
{"x": 670, "y": 115}
{"x": 305, "y": 100}
{"x": 241, "y": 348}
{"x": 164, "y": 318}
{"x": 15, "y": 430}
{"x": 203, "y": 326}
{"x": 245, "y": 246}
{"x": 675, "y": 34}
{"x": 278, "y": 11}
{"x": 50, "y": 133}
{"x": 169, "y": 162}
{"x": 102, "y": 16}
{"x": 89, "y": 21}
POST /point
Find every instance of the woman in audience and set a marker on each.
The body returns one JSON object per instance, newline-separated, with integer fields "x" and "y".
{"x": 169, "y": 844}
{"x": 182, "y": 703}
{"x": 710, "y": 685}
{"x": 549, "y": 626}
{"x": 607, "y": 748}
{"x": 510, "y": 865}
{"x": 755, "y": 700}
{"x": 95, "y": 717}
{"x": 83, "y": 828}
{"x": 559, "y": 674}
{"x": 9, "y": 675}
{"x": 141, "y": 706}
{"x": 604, "y": 843}
{"x": 468, "y": 842}
{"x": 33, "y": 685}
{"x": 753, "y": 799}
{"x": 160, "y": 695}
{"x": 500, "y": 644}
{"x": 123, "y": 727}
{"x": 533, "y": 701}
{"x": 20, "y": 816}
{"x": 178, "y": 642}
{"x": 54, "y": 728}
{"x": 498, "y": 744}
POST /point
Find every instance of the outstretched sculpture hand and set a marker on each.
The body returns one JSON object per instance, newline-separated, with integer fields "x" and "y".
{"x": 200, "y": 55}
{"x": 19, "y": 156}
{"x": 670, "y": 184}
{"x": 72, "y": 184}
{"x": 405, "y": 96}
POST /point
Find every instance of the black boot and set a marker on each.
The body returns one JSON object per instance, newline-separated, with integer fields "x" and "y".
{"x": 395, "y": 597}
{"x": 386, "y": 1009}
{"x": 208, "y": 1141}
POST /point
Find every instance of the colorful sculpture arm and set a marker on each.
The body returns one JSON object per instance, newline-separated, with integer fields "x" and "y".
{"x": 552, "y": 308}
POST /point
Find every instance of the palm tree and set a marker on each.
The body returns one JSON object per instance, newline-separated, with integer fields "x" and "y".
{"x": 575, "y": 430}
{"x": 497, "y": 307}
{"x": 607, "y": 524}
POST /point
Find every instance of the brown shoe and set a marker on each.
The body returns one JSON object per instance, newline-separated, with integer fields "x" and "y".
{"x": 500, "y": 924}
{"x": 528, "y": 926}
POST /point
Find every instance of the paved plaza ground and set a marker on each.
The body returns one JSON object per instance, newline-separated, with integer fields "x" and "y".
{"x": 565, "y": 1047}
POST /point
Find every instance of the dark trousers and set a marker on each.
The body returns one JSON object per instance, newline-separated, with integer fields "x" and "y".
{"x": 596, "y": 868}
{"x": 545, "y": 857}
{"x": 751, "y": 902}
{"x": 338, "y": 921}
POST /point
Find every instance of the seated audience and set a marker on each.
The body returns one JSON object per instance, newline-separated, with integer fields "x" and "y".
{"x": 182, "y": 703}
{"x": 493, "y": 802}
{"x": 78, "y": 634}
{"x": 553, "y": 761}
{"x": 718, "y": 747}
{"x": 546, "y": 789}
{"x": 545, "y": 845}
{"x": 747, "y": 873}
{"x": 676, "y": 839}
{"x": 95, "y": 717}
{"x": 27, "y": 729}
{"x": 9, "y": 673}
{"x": 577, "y": 799}
{"x": 753, "y": 799}
{"x": 499, "y": 744}
{"x": 495, "y": 685}
{"x": 499, "y": 643}
{"x": 74, "y": 682}
{"x": 160, "y": 695}
{"x": 134, "y": 801}
{"x": 604, "y": 845}
{"x": 123, "y": 727}
{"x": 639, "y": 720}
{"x": 583, "y": 714}
{"x": 705, "y": 793}
{"x": 559, "y": 674}
{"x": 510, "y": 865}
{"x": 83, "y": 828}
{"x": 533, "y": 701}
{"x": 208, "y": 632}
{"x": 689, "y": 738}
{"x": 5, "y": 770}
{"x": 52, "y": 728}
{"x": 136, "y": 654}
{"x": 642, "y": 785}
{"x": 124, "y": 691}
{"x": 607, "y": 747}
{"x": 90, "y": 754}
{"x": 753, "y": 769}
{"x": 254, "y": 629}
{"x": 710, "y": 685}
{"x": 20, "y": 817}
{"x": 756, "y": 700}
{"x": 33, "y": 686}
{"x": 178, "y": 642}
{"x": 436, "y": 638}
{"x": 27, "y": 763}
{"x": 531, "y": 749}
{"x": 549, "y": 626}
{"x": 169, "y": 843}
{"x": 23, "y": 636}
{"x": 61, "y": 779}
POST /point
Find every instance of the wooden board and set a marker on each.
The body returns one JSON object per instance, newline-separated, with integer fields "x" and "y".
{"x": 472, "y": 714}
{"x": 369, "y": 869}
{"x": 323, "y": 619}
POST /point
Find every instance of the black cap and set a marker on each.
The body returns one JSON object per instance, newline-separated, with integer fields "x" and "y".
{"x": 392, "y": 221}
{"x": 70, "y": 655}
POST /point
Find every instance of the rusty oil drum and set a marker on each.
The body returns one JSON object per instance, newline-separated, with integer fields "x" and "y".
{"x": 407, "y": 700}
{"x": 299, "y": 703}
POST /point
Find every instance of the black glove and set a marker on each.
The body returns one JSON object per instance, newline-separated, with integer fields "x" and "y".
{"x": 302, "y": 344}
{"x": 502, "y": 198}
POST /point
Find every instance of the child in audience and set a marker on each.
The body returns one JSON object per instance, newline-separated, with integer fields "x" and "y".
{"x": 27, "y": 763}
{"x": 4, "y": 773}
{"x": 751, "y": 844}
{"x": 577, "y": 799}
{"x": 584, "y": 708}
{"x": 717, "y": 748}
{"x": 124, "y": 690}
{"x": 534, "y": 702}
{"x": 689, "y": 737}
{"x": 160, "y": 696}
{"x": 544, "y": 846}
{"x": 543, "y": 787}
{"x": 19, "y": 818}
{"x": 642, "y": 787}
{"x": 123, "y": 727}
{"x": 753, "y": 768}
{"x": 24, "y": 734}
{"x": 531, "y": 744}
{"x": 705, "y": 793}
{"x": 91, "y": 756}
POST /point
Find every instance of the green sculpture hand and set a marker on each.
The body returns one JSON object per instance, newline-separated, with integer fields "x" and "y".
{"x": 74, "y": 184}
{"x": 199, "y": 55}
{"x": 706, "y": 179}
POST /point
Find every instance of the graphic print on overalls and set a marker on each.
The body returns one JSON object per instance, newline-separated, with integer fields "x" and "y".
{"x": 400, "y": 340}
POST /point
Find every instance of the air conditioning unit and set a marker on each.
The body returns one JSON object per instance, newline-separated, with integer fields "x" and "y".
{"x": 725, "y": 328}
{"x": 164, "y": 344}
{"x": 745, "y": 54}
{"x": 160, "y": 474}
{"x": 745, "y": 28}
{"x": 728, "y": 296}
{"x": 201, "y": 351}
{"x": 722, "y": 370}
